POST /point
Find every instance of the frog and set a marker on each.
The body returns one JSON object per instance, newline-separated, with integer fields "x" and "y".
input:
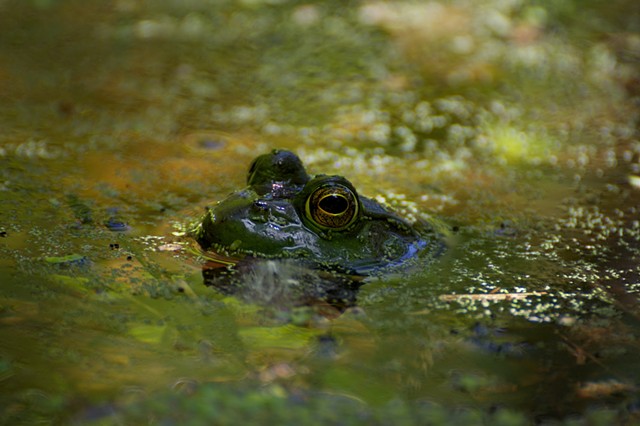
{"x": 321, "y": 221}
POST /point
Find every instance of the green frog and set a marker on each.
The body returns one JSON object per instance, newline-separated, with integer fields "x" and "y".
{"x": 321, "y": 221}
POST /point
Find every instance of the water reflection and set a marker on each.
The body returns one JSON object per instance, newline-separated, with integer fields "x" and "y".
{"x": 284, "y": 284}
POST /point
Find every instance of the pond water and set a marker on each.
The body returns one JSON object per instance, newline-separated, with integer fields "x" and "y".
{"x": 512, "y": 124}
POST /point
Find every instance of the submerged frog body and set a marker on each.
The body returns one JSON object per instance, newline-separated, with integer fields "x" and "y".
{"x": 284, "y": 213}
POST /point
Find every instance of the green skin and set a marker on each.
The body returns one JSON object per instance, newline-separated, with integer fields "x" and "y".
{"x": 276, "y": 217}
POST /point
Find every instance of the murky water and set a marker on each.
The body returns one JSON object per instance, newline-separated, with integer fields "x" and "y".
{"x": 512, "y": 123}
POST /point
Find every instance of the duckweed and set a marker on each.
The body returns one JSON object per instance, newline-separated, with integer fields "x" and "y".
{"x": 512, "y": 124}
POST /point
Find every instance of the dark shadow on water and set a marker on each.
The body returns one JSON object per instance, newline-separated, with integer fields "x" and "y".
{"x": 282, "y": 283}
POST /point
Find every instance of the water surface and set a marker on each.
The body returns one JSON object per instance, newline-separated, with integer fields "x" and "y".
{"x": 513, "y": 124}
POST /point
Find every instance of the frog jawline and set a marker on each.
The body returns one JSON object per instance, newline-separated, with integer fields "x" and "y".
{"x": 363, "y": 268}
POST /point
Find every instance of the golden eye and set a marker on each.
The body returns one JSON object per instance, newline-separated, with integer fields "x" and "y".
{"x": 332, "y": 206}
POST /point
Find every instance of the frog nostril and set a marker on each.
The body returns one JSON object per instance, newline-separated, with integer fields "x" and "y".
{"x": 260, "y": 205}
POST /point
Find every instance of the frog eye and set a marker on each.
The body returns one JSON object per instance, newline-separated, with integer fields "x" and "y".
{"x": 332, "y": 206}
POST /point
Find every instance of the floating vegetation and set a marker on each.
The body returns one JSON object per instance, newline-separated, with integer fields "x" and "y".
{"x": 512, "y": 126}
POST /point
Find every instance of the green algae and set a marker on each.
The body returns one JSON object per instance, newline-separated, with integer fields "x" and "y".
{"x": 514, "y": 124}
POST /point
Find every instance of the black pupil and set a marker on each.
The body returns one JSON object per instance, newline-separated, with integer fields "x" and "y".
{"x": 334, "y": 204}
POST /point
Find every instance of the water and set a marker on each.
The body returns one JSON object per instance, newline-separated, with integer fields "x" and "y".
{"x": 512, "y": 124}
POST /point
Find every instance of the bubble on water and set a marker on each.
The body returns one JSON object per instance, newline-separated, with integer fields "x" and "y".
{"x": 116, "y": 225}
